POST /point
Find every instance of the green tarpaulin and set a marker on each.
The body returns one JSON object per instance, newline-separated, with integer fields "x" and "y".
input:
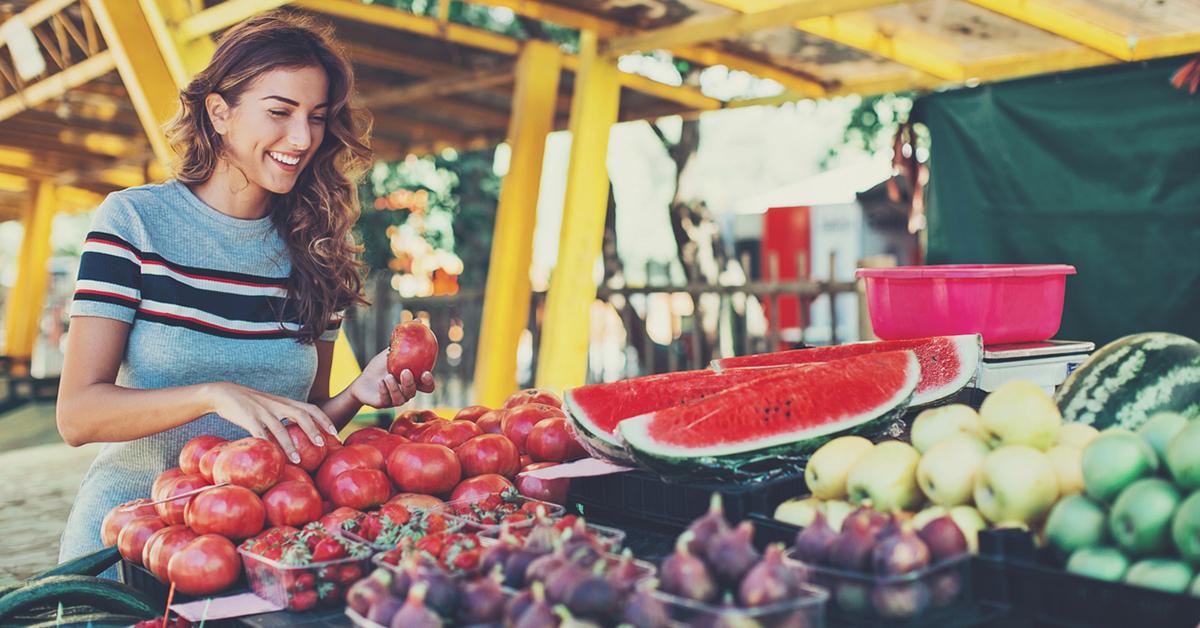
{"x": 1099, "y": 169}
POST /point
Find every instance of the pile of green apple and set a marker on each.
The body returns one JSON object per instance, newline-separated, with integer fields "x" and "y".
{"x": 1138, "y": 517}
{"x": 1004, "y": 466}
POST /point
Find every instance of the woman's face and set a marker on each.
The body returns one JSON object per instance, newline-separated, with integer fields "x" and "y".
{"x": 276, "y": 127}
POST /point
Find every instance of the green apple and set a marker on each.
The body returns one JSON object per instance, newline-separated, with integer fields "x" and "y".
{"x": 1159, "y": 429}
{"x": 836, "y": 511}
{"x": 1140, "y": 519}
{"x": 826, "y": 472}
{"x": 1021, "y": 413}
{"x": 1194, "y": 590}
{"x": 1075, "y": 522}
{"x": 1172, "y": 576}
{"x": 887, "y": 475}
{"x": 947, "y": 471}
{"x": 970, "y": 522}
{"x": 798, "y": 512}
{"x": 935, "y": 424}
{"x": 1185, "y": 528}
{"x": 1102, "y": 563}
{"x": 1183, "y": 456}
{"x": 1115, "y": 460}
{"x": 1068, "y": 467}
{"x": 1076, "y": 435}
{"x": 1016, "y": 484}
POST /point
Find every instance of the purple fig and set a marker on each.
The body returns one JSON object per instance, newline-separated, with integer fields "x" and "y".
{"x": 769, "y": 582}
{"x": 707, "y": 526}
{"x": 593, "y": 597}
{"x": 538, "y": 614}
{"x": 944, "y": 538}
{"x": 542, "y": 538}
{"x": 494, "y": 555}
{"x": 561, "y": 580}
{"x": 542, "y": 566}
{"x": 686, "y": 575}
{"x": 516, "y": 606}
{"x": 441, "y": 592}
{"x": 732, "y": 554}
{"x": 384, "y": 608}
{"x": 851, "y": 550}
{"x": 483, "y": 601}
{"x": 643, "y": 610}
{"x": 897, "y": 601}
{"x": 867, "y": 519}
{"x": 813, "y": 542}
{"x": 900, "y": 553}
{"x": 516, "y": 565}
{"x": 363, "y": 593}
{"x": 624, "y": 574}
{"x": 414, "y": 613}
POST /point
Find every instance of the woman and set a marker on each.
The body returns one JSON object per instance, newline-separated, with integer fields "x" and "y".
{"x": 209, "y": 304}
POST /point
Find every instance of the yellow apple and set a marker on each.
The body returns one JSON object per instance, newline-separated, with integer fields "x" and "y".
{"x": 1016, "y": 484}
{"x": 836, "y": 511}
{"x": 947, "y": 471}
{"x": 935, "y": 424}
{"x": 887, "y": 475}
{"x": 1021, "y": 413}
{"x": 970, "y": 522}
{"x": 829, "y": 466}
{"x": 798, "y": 512}
{"x": 926, "y": 515}
{"x": 1068, "y": 466}
{"x": 1076, "y": 435}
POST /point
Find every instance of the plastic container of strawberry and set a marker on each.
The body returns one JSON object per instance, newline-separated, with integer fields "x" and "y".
{"x": 381, "y": 533}
{"x": 610, "y": 539}
{"x": 454, "y": 552}
{"x": 306, "y": 575}
{"x": 487, "y": 514}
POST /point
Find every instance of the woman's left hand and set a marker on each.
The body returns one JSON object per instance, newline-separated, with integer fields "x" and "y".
{"x": 377, "y": 388}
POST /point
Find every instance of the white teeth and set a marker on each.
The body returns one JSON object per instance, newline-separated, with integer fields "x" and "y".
{"x": 291, "y": 161}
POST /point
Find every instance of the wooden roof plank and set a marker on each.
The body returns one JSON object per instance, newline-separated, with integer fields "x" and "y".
{"x": 1045, "y": 16}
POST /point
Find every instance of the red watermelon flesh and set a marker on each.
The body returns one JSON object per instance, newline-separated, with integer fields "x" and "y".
{"x": 787, "y": 407}
{"x": 947, "y": 362}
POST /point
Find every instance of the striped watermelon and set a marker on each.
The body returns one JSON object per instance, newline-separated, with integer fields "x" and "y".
{"x": 1131, "y": 378}
{"x": 773, "y": 422}
{"x": 948, "y": 363}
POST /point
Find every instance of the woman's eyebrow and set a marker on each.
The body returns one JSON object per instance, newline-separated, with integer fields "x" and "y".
{"x": 292, "y": 102}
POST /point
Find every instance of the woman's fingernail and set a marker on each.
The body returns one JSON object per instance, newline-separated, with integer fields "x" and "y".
{"x": 295, "y": 457}
{"x": 331, "y": 430}
{"x": 320, "y": 442}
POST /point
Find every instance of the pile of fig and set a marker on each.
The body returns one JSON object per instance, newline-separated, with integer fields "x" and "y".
{"x": 881, "y": 563}
{"x": 414, "y": 596}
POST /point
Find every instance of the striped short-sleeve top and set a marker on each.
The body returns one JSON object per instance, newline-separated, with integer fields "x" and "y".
{"x": 204, "y": 294}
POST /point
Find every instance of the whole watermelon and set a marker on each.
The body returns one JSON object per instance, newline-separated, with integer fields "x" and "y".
{"x": 1131, "y": 378}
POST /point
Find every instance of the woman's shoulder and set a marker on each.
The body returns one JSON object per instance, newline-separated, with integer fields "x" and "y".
{"x": 135, "y": 211}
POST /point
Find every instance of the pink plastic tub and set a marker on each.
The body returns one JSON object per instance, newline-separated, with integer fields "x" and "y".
{"x": 1004, "y": 302}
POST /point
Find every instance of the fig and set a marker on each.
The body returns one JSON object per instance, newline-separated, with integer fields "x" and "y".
{"x": 851, "y": 550}
{"x": 897, "y": 601}
{"x": 441, "y": 592}
{"x": 813, "y": 542}
{"x": 732, "y": 554}
{"x": 686, "y": 575}
{"x": 768, "y": 582}
{"x": 569, "y": 621}
{"x": 542, "y": 566}
{"x": 900, "y": 553}
{"x": 363, "y": 593}
{"x": 643, "y": 610}
{"x": 516, "y": 606}
{"x": 383, "y": 609}
{"x": 707, "y": 526}
{"x": 538, "y": 613}
{"x": 625, "y": 574}
{"x": 483, "y": 601}
{"x": 543, "y": 536}
{"x": 496, "y": 555}
{"x": 593, "y": 597}
{"x": 867, "y": 518}
{"x": 944, "y": 538}
{"x": 403, "y": 578}
{"x": 516, "y": 565}
{"x": 414, "y": 613}
{"x": 560, "y": 582}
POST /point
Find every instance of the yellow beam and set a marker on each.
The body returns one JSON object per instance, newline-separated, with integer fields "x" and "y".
{"x": 1167, "y": 45}
{"x": 1052, "y": 19}
{"x": 56, "y": 85}
{"x": 562, "y": 356}
{"x": 506, "y": 299}
{"x": 915, "y": 50}
{"x": 184, "y": 56}
{"x": 699, "y": 30}
{"x": 223, "y": 16}
{"x": 144, "y": 70}
{"x": 439, "y": 87}
{"x": 25, "y": 302}
{"x": 389, "y": 17}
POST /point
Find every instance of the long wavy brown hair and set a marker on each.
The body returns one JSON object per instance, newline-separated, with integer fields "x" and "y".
{"x": 315, "y": 217}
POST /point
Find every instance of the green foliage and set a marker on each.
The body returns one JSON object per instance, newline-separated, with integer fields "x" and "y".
{"x": 873, "y": 123}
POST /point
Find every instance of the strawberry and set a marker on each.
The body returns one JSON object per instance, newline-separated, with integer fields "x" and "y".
{"x": 327, "y": 549}
{"x": 349, "y": 574}
{"x": 302, "y": 601}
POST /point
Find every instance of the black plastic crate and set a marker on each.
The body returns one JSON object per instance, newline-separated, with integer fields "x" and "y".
{"x": 1041, "y": 593}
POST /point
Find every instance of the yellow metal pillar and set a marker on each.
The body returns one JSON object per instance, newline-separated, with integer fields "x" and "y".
{"x": 29, "y": 293}
{"x": 506, "y": 300}
{"x": 562, "y": 356}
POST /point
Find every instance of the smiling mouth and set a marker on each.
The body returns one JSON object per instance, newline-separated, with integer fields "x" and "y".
{"x": 287, "y": 160}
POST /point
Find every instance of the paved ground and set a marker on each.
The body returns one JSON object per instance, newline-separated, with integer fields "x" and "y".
{"x": 39, "y": 476}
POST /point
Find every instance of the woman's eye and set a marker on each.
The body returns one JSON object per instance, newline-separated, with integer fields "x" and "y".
{"x": 318, "y": 119}
{"x": 278, "y": 113}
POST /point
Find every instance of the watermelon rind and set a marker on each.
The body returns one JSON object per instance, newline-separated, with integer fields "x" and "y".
{"x": 1126, "y": 381}
{"x": 784, "y": 450}
{"x": 968, "y": 348}
{"x": 598, "y": 443}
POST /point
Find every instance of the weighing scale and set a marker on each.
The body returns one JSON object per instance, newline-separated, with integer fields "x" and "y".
{"x": 1046, "y": 363}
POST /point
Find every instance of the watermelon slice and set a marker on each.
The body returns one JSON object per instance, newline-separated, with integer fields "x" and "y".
{"x": 948, "y": 363}
{"x": 784, "y": 415}
{"x": 596, "y": 409}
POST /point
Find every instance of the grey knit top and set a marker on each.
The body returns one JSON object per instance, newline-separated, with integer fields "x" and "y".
{"x": 204, "y": 296}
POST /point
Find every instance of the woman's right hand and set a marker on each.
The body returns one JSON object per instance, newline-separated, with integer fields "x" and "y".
{"x": 262, "y": 413}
